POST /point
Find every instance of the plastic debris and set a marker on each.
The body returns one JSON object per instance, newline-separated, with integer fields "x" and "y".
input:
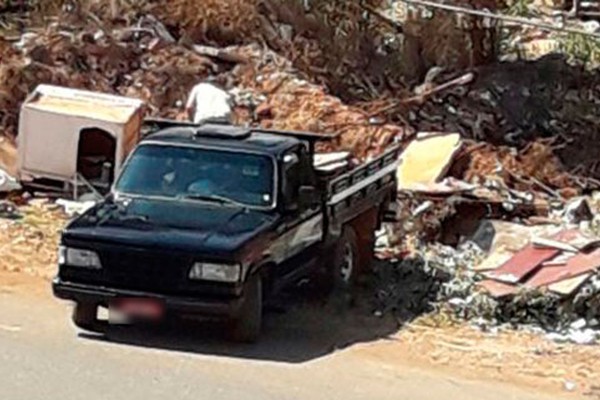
{"x": 8, "y": 183}
{"x": 74, "y": 208}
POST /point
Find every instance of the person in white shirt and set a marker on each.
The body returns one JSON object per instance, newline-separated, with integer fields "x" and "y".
{"x": 206, "y": 101}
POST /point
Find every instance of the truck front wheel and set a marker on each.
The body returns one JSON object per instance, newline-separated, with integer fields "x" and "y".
{"x": 85, "y": 317}
{"x": 246, "y": 326}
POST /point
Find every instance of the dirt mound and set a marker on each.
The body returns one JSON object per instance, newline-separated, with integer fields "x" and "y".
{"x": 150, "y": 67}
{"x": 295, "y": 104}
{"x": 308, "y": 62}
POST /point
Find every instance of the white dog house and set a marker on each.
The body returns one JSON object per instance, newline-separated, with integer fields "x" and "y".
{"x": 75, "y": 137}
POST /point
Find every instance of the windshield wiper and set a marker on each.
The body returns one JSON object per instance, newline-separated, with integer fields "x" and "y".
{"x": 140, "y": 218}
{"x": 213, "y": 198}
{"x": 116, "y": 212}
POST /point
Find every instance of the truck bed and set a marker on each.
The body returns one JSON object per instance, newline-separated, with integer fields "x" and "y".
{"x": 361, "y": 188}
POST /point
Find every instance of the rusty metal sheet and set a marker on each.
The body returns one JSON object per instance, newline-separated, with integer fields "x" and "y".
{"x": 523, "y": 263}
{"x": 530, "y": 258}
{"x": 577, "y": 265}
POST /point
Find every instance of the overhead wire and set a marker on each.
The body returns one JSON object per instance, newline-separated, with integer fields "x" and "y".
{"x": 501, "y": 17}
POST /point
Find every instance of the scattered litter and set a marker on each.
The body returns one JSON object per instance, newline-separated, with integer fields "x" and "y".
{"x": 10, "y": 328}
{"x": 577, "y": 210}
{"x": 7, "y": 182}
{"x": 544, "y": 287}
{"x": 570, "y": 386}
{"x": 9, "y": 210}
{"x": 74, "y": 208}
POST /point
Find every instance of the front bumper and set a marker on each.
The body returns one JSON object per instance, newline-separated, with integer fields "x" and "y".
{"x": 226, "y": 308}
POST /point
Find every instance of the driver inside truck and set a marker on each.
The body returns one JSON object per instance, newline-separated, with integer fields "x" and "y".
{"x": 208, "y": 182}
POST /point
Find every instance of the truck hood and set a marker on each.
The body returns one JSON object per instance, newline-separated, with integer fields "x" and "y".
{"x": 189, "y": 226}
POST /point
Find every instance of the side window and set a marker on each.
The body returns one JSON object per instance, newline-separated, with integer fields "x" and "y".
{"x": 292, "y": 173}
{"x": 307, "y": 176}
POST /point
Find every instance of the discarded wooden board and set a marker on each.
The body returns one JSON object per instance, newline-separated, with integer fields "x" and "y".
{"x": 324, "y": 159}
{"x": 447, "y": 186}
{"x": 559, "y": 260}
{"x": 426, "y": 160}
{"x": 568, "y": 240}
{"x": 498, "y": 289}
{"x": 568, "y": 286}
{"x": 503, "y": 236}
{"x": 493, "y": 261}
{"x": 554, "y": 244}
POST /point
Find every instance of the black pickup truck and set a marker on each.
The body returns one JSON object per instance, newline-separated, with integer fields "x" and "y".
{"x": 209, "y": 220}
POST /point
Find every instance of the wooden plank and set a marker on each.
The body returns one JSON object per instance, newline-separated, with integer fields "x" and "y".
{"x": 426, "y": 160}
{"x": 568, "y": 286}
{"x": 497, "y": 289}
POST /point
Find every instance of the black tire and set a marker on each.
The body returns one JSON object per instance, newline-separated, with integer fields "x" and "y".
{"x": 344, "y": 268}
{"x": 247, "y": 326}
{"x": 84, "y": 317}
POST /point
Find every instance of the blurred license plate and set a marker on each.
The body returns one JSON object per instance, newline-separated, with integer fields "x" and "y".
{"x": 125, "y": 309}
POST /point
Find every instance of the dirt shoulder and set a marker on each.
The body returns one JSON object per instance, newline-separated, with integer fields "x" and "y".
{"x": 522, "y": 359}
{"x": 29, "y": 244}
{"x": 519, "y": 358}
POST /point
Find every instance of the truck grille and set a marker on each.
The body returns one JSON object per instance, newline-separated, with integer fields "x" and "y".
{"x": 144, "y": 270}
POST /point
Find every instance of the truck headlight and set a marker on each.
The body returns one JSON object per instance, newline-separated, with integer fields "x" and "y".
{"x": 78, "y": 258}
{"x": 215, "y": 272}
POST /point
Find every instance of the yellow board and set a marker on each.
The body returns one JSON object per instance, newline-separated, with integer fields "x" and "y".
{"x": 426, "y": 160}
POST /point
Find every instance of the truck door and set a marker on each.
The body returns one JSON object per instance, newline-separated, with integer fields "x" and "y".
{"x": 304, "y": 224}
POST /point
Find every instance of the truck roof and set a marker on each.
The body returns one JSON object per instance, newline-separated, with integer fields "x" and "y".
{"x": 225, "y": 137}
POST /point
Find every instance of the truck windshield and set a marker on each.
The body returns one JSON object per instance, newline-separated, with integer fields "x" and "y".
{"x": 201, "y": 174}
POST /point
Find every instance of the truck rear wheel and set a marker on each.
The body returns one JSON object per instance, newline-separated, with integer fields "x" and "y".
{"x": 85, "y": 317}
{"x": 345, "y": 267}
{"x": 247, "y": 326}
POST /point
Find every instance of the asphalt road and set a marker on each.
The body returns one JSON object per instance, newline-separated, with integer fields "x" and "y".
{"x": 42, "y": 356}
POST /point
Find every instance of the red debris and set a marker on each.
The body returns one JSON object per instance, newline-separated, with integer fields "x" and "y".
{"x": 498, "y": 289}
{"x": 530, "y": 258}
{"x": 522, "y": 264}
{"x": 577, "y": 265}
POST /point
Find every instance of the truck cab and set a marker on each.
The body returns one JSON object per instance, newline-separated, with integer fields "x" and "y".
{"x": 209, "y": 220}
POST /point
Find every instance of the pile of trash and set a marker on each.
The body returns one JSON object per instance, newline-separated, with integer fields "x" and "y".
{"x": 494, "y": 248}
{"x": 516, "y": 103}
{"x": 433, "y": 38}
{"x": 544, "y": 277}
{"x": 338, "y": 44}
